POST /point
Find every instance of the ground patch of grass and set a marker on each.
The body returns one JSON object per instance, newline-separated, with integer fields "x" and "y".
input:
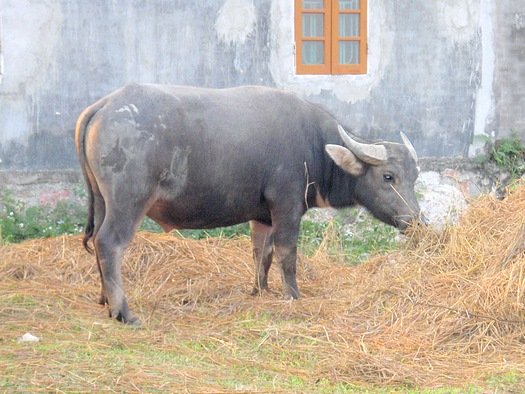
{"x": 79, "y": 353}
{"x": 19, "y": 221}
{"x": 352, "y": 233}
{"x": 208, "y": 337}
{"x": 425, "y": 318}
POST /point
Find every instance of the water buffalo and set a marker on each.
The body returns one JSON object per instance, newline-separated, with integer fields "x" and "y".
{"x": 198, "y": 158}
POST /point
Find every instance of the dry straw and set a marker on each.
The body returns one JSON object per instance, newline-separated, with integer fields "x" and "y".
{"x": 446, "y": 309}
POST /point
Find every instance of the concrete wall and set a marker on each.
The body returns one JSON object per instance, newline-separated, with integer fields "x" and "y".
{"x": 59, "y": 56}
{"x": 446, "y": 72}
{"x": 509, "y": 68}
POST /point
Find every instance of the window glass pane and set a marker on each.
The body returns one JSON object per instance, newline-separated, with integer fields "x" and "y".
{"x": 313, "y": 4}
{"x": 348, "y": 52}
{"x": 313, "y": 25}
{"x": 349, "y": 4}
{"x": 313, "y": 52}
{"x": 348, "y": 25}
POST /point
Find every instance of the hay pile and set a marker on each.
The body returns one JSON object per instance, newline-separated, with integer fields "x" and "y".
{"x": 447, "y": 309}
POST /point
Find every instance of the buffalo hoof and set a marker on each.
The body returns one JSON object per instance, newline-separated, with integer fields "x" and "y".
{"x": 127, "y": 318}
{"x": 134, "y": 323}
{"x": 291, "y": 294}
{"x": 131, "y": 321}
{"x": 259, "y": 291}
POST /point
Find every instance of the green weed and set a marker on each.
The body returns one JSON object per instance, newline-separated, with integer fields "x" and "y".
{"x": 223, "y": 232}
{"x": 502, "y": 382}
{"x": 351, "y": 233}
{"x": 19, "y": 222}
{"x": 17, "y": 300}
{"x": 509, "y": 155}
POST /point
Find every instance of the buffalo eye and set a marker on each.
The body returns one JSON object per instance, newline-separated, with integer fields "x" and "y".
{"x": 389, "y": 178}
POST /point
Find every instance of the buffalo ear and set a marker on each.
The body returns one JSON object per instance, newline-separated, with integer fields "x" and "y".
{"x": 345, "y": 159}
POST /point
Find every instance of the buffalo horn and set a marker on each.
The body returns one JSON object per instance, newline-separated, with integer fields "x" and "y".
{"x": 369, "y": 153}
{"x": 409, "y": 146}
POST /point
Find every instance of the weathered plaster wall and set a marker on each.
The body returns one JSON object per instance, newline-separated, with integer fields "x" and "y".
{"x": 61, "y": 55}
{"x": 509, "y": 79}
{"x": 424, "y": 73}
{"x": 449, "y": 73}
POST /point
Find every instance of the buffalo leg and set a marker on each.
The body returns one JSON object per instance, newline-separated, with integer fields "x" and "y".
{"x": 287, "y": 255}
{"x": 111, "y": 240}
{"x": 262, "y": 243}
{"x": 286, "y": 233}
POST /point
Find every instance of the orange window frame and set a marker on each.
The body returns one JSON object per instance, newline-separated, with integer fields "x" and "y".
{"x": 331, "y": 39}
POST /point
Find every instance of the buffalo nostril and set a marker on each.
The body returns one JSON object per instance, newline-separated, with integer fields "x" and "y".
{"x": 404, "y": 222}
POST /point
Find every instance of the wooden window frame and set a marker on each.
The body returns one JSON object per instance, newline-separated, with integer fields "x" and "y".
{"x": 331, "y": 39}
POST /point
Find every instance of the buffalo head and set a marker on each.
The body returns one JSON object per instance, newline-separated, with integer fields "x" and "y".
{"x": 385, "y": 174}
